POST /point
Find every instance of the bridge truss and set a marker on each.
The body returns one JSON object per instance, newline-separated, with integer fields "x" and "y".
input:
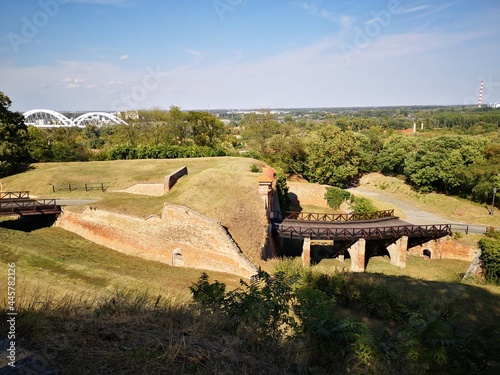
{"x": 47, "y": 118}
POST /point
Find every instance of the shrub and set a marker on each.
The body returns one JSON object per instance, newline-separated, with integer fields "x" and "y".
{"x": 255, "y": 169}
{"x": 263, "y": 305}
{"x": 335, "y": 196}
{"x": 491, "y": 232}
{"x": 163, "y": 151}
{"x": 363, "y": 205}
{"x": 490, "y": 256}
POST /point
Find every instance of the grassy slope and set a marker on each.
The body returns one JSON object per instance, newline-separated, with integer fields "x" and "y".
{"x": 169, "y": 339}
{"x": 449, "y": 207}
{"x": 221, "y": 188}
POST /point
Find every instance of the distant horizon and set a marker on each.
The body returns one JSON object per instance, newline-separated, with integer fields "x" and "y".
{"x": 416, "y": 106}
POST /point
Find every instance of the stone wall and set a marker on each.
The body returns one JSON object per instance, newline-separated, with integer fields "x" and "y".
{"x": 173, "y": 177}
{"x": 444, "y": 248}
{"x": 181, "y": 237}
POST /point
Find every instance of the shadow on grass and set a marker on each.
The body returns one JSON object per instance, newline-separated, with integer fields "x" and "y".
{"x": 29, "y": 223}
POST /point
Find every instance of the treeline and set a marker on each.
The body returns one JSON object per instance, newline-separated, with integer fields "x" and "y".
{"x": 455, "y": 151}
{"x": 153, "y": 134}
{"x": 457, "y": 164}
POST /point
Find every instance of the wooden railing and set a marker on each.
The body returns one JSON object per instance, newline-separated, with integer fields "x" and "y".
{"x": 14, "y": 194}
{"x": 29, "y": 207}
{"x": 312, "y": 216}
{"x": 296, "y": 231}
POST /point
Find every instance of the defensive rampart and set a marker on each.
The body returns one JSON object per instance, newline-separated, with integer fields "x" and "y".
{"x": 181, "y": 238}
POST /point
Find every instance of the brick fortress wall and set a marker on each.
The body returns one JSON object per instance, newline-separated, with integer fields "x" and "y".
{"x": 181, "y": 237}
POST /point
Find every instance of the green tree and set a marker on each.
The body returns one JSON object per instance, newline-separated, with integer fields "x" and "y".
{"x": 259, "y": 128}
{"x": 14, "y": 152}
{"x": 391, "y": 158}
{"x": 207, "y": 129}
{"x": 444, "y": 163}
{"x": 179, "y": 127}
{"x": 335, "y": 157}
{"x": 287, "y": 152}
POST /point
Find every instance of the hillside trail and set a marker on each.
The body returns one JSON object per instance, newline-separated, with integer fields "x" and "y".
{"x": 415, "y": 215}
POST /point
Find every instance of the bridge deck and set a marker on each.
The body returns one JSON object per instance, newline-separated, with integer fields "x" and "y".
{"x": 368, "y": 229}
{"x": 28, "y": 207}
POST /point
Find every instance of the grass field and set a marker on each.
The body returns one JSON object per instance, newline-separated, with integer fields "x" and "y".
{"x": 452, "y": 208}
{"x": 221, "y": 188}
{"x": 79, "y": 302}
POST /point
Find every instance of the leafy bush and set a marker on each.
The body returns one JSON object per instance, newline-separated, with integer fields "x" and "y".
{"x": 491, "y": 232}
{"x": 335, "y": 197}
{"x": 319, "y": 313}
{"x": 163, "y": 151}
{"x": 255, "y": 168}
{"x": 490, "y": 256}
{"x": 262, "y": 305}
{"x": 363, "y": 205}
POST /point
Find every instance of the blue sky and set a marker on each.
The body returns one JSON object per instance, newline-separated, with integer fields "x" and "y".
{"x": 207, "y": 54}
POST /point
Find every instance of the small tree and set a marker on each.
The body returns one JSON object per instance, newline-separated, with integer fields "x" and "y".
{"x": 335, "y": 197}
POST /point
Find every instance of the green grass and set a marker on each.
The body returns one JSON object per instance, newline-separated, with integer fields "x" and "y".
{"x": 453, "y": 208}
{"x": 222, "y": 188}
{"x": 445, "y": 270}
{"x": 52, "y": 259}
{"x": 87, "y": 309}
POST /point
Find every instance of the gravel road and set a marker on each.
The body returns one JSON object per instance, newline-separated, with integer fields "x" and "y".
{"x": 414, "y": 214}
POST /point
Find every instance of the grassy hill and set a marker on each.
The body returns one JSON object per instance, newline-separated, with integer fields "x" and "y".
{"x": 221, "y": 188}
{"x": 89, "y": 310}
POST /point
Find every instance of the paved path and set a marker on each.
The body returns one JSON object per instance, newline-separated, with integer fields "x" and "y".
{"x": 414, "y": 214}
{"x": 75, "y": 202}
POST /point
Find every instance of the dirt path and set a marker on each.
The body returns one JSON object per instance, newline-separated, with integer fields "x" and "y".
{"x": 414, "y": 215}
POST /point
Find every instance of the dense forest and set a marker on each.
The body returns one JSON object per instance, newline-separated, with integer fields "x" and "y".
{"x": 454, "y": 150}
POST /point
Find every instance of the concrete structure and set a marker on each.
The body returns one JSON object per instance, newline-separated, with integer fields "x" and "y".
{"x": 173, "y": 177}
{"x": 157, "y": 189}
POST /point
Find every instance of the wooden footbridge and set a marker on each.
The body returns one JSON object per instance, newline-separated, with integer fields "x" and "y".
{"x": 19, "y": 203}
{"x": 359, "y": 235}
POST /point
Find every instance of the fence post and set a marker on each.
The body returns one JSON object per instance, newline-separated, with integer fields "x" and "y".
{"x": 69, "y": 186}
{"x": 86, "y": 187}
{"x": 102, "y": 186}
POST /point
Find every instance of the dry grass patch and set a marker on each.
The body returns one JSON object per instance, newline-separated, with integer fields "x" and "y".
{"x": 221, "y": 188}
{"x": 449, "y": 207}
{"x": 61, "y": 262}
{"x": 446, "y": 270}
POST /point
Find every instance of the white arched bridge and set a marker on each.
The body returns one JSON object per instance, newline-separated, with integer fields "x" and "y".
{"x": 47, "y": 118}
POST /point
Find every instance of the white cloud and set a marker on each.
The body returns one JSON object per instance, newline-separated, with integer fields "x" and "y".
{"x": 314, "y": 7}
{"x": 413, "y": 9}
{"x": 124, "y": 57}
{"x": 316, "y": 75}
